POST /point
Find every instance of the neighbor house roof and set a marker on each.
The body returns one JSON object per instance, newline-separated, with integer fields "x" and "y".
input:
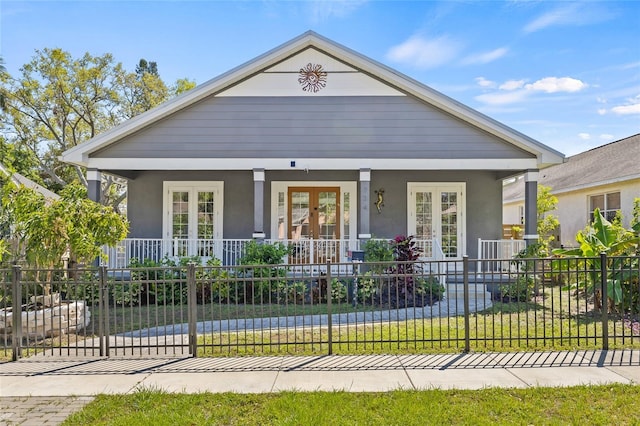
{"x": 617, "y": 161}
{"x": 18, "y": 179}
{"x": 545, "y": 155}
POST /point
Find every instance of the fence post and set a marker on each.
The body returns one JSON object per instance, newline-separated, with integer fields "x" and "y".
{"x": 103, "y": 318}
{"x": 605, "y": 301}
{"x": 16, "y": 323}
{"x": 192, "y": 309}
{"x": 465, "y": 273}
{"x": 329, "y": 302}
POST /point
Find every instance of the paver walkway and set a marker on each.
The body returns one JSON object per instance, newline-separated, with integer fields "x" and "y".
{"x": 39, "y": 410}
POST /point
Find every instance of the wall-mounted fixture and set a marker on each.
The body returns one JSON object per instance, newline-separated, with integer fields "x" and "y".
{"x": 379, "y": 199}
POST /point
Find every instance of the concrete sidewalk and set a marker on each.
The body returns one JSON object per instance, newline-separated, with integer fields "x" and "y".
{"x": 32, "y": 387}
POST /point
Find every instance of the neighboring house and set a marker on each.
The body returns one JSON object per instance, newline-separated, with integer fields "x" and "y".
{"x": 606, "y": 177}
{"x": 315, "y": 144}
{"x": 18, "y": 180}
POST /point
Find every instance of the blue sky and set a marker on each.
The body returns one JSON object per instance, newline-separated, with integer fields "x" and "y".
{"x": 564, "y": 73}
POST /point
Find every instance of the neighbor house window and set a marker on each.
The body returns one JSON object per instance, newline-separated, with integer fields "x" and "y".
{"x": 608, "y": 204}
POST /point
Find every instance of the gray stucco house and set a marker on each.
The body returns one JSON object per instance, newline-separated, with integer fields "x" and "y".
{"x": 317, "y": 145}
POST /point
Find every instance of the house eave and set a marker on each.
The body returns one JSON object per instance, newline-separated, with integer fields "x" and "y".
{"x": 307, "y": 164}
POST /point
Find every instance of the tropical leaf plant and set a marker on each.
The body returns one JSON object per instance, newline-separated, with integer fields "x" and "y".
{"x": 612, "y": 239}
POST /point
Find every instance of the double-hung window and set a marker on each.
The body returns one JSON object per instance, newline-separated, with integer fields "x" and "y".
{"x": 608, "y": 204}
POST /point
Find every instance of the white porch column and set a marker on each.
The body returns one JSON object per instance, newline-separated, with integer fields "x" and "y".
{"x": 365, "y": 204}
{"x": 94, "y": 191}
{"x": 531, "y": 207}
{"x": 258, "y": 204}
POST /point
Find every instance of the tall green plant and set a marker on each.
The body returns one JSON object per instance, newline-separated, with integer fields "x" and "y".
{"x": 546, "y": 203}
{"x": 46, "y": 229}
{"x": 612, "y": 239}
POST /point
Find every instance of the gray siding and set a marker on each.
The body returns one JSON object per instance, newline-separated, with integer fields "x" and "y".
{"x": 314, "y": 127}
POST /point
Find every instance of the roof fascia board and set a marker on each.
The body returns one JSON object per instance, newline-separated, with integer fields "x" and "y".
{"x": 310, "y": 164}
{"x": 592, "y": 185}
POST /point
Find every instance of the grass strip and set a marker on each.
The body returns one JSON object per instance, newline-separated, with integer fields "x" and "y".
{"x": 608, "y": 404}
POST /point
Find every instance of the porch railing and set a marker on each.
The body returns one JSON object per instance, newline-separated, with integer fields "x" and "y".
{"x": 229, "y": 251}
{"x": 496, "y": 255}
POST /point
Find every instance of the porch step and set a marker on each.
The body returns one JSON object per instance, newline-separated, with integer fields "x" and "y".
{"x": 480, "y": 285}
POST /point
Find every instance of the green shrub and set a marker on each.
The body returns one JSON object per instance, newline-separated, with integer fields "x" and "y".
{"x": 262, "y": 280}
{"x": 368, "y": 286}
{"x": 522, "y": 290}
{"x": 338, "y": 291}
{"x": 213, "y": 285}
{"x": 290, "y": 292}
{"x": 376, "y": 252}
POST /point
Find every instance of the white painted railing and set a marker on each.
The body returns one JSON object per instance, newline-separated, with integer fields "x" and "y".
{"x": 496, "y": 254}
{"x": 229, "y": 251}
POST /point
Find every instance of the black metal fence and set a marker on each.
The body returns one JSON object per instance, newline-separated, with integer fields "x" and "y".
{"x": 394, "y": 307}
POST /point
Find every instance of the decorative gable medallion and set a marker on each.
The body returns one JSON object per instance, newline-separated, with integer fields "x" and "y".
{"x": 312, "y": 78}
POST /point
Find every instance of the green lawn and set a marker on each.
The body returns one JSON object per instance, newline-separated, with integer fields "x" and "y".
{"x": 595, "y": 405}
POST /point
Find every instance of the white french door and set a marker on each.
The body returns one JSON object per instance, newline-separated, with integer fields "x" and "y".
{"x": 193, "y": 217}
{"x": 437, "y": 210}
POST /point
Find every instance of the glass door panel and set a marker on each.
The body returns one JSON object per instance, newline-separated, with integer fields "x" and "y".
{"x": 299, "y": 215}
{"x": 327, "y": 215}
{"x": 180, "y": 215}
{"x": 424, "y": 220}
{"x": 449, "y": 223}
{"x": 206, "y": 215}
{"x": 434, "y": 213}
{"x": 314, "y": 222}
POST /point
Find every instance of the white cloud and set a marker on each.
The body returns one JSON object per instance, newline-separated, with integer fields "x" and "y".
{"x": 512, "y": 91}
{"x": 425, "y": 53}
{"x": 584, "y": 136}
{"x": 485, "y": 57}
{"x": 606, "y": 137}
{"x": 512, "y": 85}
{"x": 555, "y": 84}
{"x": 575, "y": 14}
{"x": 483, "y": 82}
{"x": 557, "y": 16}
{"x": 626, "y": 109}
{"x": 602, "y": 111}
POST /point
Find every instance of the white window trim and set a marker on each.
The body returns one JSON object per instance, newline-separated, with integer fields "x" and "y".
{"x": 460, "y": 188}
{"x": 606, "y": 209}
{"x": 345, "y": 186}
{"x": 196, "y": 186}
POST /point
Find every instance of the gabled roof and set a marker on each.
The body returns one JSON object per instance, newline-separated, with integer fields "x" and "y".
{"x": 544, "y": 154}
{"x": 18, "y": 179}
{"x": 617, "y": 161}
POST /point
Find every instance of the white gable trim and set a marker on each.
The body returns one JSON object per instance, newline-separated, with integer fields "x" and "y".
{"x": 310, "y": 164}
